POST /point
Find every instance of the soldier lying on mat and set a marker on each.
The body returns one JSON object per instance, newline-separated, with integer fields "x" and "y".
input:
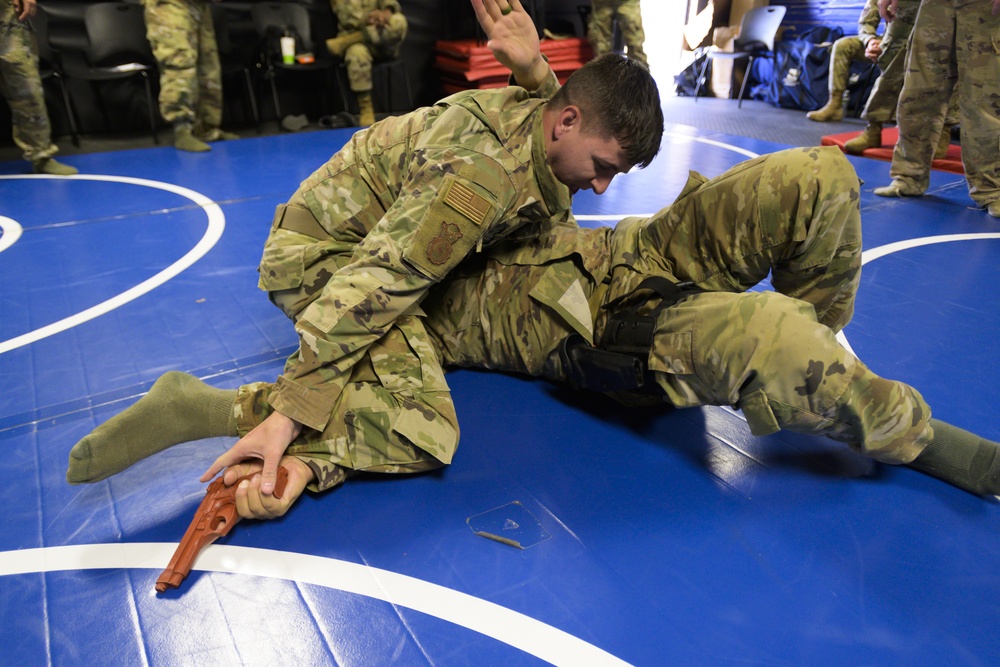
{"x": 681, "y": 276}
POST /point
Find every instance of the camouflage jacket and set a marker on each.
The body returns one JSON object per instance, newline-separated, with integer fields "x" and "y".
{"x": 403, "y": 203}
{"x": 352, "y": 14}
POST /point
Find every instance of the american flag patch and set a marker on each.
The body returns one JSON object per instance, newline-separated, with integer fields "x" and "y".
{"x": 468, "y": 203}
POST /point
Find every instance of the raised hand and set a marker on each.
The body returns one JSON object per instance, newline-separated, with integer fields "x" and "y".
{"x": 513, "y": 38}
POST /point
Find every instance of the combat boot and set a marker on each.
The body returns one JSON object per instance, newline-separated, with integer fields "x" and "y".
{"x": 993, "y": 208}
{"x": 367, "y": 115}
{"x": 216, "y": 134}
{"x": 184, "y": 140}
{"x": 337, "y": 46}
{"x": 49, "y": 166}
{"x": 832, "y": 112}
{"x": 943, "y": 144}
{"x": 870, "y": 138}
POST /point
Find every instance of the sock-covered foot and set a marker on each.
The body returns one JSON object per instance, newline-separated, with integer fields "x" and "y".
{"x": 178, "y": 408}
{"x": 961, "y": 458}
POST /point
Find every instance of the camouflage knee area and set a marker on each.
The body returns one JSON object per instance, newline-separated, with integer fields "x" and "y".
{"x": 387, "y": 42}
{"x": 884, "y": 419}
{"x": 371, "y": 430}
{"x": 794, "y": 373}
{"x": 358, "y": 59}
{"x": 845, "y": 51}
{"x": 819, "y": 217}
{"x": 722, "y": 348}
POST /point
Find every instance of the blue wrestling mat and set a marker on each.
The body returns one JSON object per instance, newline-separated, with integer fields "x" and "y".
{"x": 646, "y": 537}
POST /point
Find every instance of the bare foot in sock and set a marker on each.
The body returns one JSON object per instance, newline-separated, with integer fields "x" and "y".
{"x": 178, "y": 408}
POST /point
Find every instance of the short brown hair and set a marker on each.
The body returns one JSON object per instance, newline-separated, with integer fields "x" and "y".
{"x": 619, "y": 94}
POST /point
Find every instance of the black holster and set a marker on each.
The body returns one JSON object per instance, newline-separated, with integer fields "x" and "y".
{"x": 620, "y": 361}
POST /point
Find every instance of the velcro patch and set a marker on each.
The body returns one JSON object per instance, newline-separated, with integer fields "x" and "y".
{"x": 462, "y": 198}
{"x": 439, "y": 247}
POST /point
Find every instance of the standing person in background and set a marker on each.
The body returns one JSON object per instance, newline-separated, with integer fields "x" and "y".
{"x": 952, "y": 49}
{"x": 183, "y": 40}
{"x": 21, "y": 86}
{"x": 599, "y": 28}
{"x": 890, "y": 54}
{"x": 367, "y": 31}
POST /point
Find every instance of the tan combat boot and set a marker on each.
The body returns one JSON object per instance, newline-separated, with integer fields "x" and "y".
{"x": 337, "y": 46}
{"x": 367, "y": 115}
{"x": 47, "y": 165}
{"x": 943, "y": 144}
{"x": 833, "y": 111}
{"x": 870, "y": 138}
{"x": 184, "y": 140}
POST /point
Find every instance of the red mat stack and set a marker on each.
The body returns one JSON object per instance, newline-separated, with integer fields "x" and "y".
{"x": 467, "y": 63}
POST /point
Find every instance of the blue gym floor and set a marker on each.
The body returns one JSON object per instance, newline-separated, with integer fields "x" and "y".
{"x": 652, "y": 538}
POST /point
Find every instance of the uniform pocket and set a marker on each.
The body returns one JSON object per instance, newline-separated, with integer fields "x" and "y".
{"x": 283, "y": 262}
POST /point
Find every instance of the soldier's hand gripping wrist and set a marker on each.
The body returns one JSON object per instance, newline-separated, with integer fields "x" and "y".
{"x": 266, "y": 443}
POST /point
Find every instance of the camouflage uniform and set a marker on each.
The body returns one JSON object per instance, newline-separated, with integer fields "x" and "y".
{"x": 602, "y": 14}
{"x": 881, "y": 106}
{"x": 352, "y": 16}
{"x": 954, "y": 47}
{"x": 773, "y": 355}
{"x": 183, "y": 40}
{"x": 21, "y": 86}
{"x": 851, "y": 49}
{"x": 352, "y": 254}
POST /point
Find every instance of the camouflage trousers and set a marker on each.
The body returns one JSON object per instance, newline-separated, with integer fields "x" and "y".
{"x": 954, "y": 48}
{"x": 881, "y": 105}
{"x": 21, "y": 86}
{"x": 600, "y": 25}
{"x": 395, "y": 415}
{"x": 183, "y": 40}
{"x": 377, "y": 45}
{"x": 774, "y": 355}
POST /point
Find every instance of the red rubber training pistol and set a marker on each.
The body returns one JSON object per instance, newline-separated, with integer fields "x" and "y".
{"x": 214, "y": 518}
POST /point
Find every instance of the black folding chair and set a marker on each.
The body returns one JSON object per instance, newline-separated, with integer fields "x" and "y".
{"x": 117, "y": 49}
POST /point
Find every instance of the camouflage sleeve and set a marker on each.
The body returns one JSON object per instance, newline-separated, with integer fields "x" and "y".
{"x": 868, "y": 21}
{"x": 548, "y": 87}
{"x": 450, "y": 199}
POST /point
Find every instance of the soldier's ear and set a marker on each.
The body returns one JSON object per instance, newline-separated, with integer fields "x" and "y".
{"x": 569, "y": 120}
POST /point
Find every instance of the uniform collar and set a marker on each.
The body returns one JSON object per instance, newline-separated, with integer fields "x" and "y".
{"x": 555, "y": 195}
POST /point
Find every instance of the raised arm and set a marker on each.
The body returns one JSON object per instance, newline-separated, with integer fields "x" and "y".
{"x": 513, "y": 38}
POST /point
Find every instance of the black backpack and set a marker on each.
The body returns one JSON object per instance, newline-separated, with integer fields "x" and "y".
{"x": 687, "y": 81}
{"x": 799, "y": 78}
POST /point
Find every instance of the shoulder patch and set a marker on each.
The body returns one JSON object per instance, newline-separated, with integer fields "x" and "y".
{"x": 464, "y": 200}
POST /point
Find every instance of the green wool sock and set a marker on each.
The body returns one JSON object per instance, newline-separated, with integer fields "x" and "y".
{"x": 961, "y": 458}
{"x": 178, "y": 408}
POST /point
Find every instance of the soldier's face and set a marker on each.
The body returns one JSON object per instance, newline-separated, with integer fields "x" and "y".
{"x": 583, "y": 159}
